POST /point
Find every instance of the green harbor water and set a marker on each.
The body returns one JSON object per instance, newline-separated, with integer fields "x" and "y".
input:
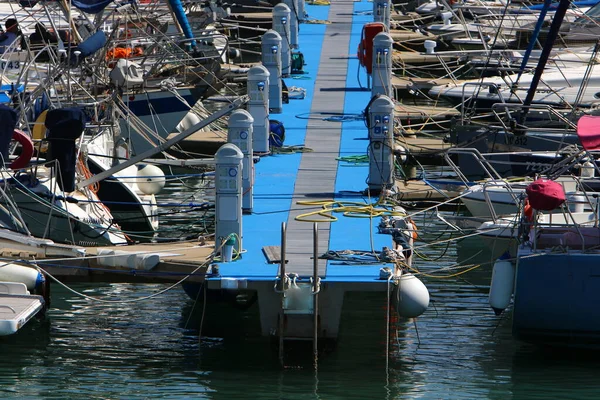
{"x": 151, "y": 348}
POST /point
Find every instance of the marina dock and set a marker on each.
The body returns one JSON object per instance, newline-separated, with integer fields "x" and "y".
{"x": 302, "y": 190}
{"x": 316, "y": 229}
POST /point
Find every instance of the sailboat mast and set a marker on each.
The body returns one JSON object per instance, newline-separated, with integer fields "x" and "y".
{"x": 176, "y": 8}
{"x": 552, "y": 35}
{"x": 534, "y": 37}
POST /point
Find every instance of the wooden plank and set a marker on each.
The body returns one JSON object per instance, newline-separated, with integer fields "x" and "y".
{"x": 406, "y": 111}
{"x": 317, "y": 172}
{"x": 424, "y": 84}
{"x": 273, "y": 254}
{"x": 416, "y": 58}
{"x": 418, "y": 146}
{"x": 420, "y": 191}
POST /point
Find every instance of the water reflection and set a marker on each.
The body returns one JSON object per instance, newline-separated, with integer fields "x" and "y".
{"x": 151, "y": 349}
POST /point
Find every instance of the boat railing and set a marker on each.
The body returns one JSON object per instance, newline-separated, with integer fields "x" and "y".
{"x": 555, "y": 235}
{"x": 502, "y": 112}
{"x": 573, "y": 226}
{"x": 479, "y": 158}
{"x": 486, "y": 186}
{"x": 477, "y": 87}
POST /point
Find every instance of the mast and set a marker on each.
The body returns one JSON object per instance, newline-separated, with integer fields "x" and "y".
{"x": 534, "y": 37}
{"x": 552, "y": 35}
{"x": 176, "y": 8}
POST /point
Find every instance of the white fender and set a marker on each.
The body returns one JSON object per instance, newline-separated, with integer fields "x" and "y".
{"x": 412, "y": 296}
{"x": 190, "y": 119}
{"x": 501, "y": 287}
{"x": 150, "y": 179}
{"x": 29, "y": 276}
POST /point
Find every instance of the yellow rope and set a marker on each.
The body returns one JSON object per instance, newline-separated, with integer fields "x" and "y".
{"x": 317, "y": 21}
{"x": 446, "y": 276}
{"x": 348, "y": 209}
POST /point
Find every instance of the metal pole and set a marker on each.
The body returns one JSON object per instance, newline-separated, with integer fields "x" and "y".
{"x": 164, "y": 146}
{"x": 315, "y": 291}
{"x": 282, "y": 290}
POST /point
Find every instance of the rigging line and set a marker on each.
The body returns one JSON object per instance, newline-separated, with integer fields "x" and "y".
{"x": 100, "y": 300}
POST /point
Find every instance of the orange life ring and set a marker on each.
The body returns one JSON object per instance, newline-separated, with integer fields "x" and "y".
{"x": 26, "y": 152}
{"x": 365, "y": 47}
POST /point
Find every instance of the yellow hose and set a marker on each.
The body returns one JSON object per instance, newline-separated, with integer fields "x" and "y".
{"x": 348, "y": 209}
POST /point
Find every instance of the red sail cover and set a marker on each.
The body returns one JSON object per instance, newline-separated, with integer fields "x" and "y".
{"x": 588, "y": 130}
{"x": 545, "y": 194}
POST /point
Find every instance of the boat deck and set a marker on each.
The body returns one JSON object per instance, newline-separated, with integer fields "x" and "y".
{"x": 16, "y": 310}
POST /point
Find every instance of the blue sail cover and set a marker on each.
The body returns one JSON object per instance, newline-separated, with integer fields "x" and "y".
{"x": 182, "y": 19}
{"x": 87, "y": 6}
{"x": 65, "y": 125}
{"x": 91, "y": 6}
{"x": 92, "y": 44}
{"x": 8, "y": 116}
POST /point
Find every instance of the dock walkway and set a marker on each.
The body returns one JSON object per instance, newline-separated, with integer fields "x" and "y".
{"x": 318, "y": 176}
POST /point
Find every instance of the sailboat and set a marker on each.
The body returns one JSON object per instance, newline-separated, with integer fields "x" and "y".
{"x": 43, "y": 192}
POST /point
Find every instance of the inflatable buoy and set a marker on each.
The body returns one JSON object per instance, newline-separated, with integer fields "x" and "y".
{"x": 150, "y": 179}
{"x": 31, "y": 277}
{"x": 412, "y": 296}
{"x": 501, "y": 287}
{"x": 26, "y": 149}
{"x": 190, "y": 119}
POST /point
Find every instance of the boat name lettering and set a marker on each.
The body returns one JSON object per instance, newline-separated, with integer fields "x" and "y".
{"x": 536, "y": 166}
{"x": 10, "y": 64}
{"x": 516, "y": 140}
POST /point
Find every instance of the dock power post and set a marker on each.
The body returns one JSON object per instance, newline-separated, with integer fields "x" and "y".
{"x": 228, "y": 188}
{"x": 293, "y": 6}
{"x": 239, "y": 133}
{"x": 271, "y": 59}
{"x": 382, "y": 12}
{"x": 258, "y": 107}
{"x": 381, "y": 144}
{"x": 382, "y": 65}
{"x": 281, "y": 25}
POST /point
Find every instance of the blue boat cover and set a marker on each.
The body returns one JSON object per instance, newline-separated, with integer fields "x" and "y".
{"x": 92, "y": 44}
{"x": 88, "y": 6}
{"x": 91, "y": 6}
{"x": 64, "y": 125}
{"x": 554, "y": 6}
{"x": 88, "y": 47}
{"x": 8, "y": 116}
